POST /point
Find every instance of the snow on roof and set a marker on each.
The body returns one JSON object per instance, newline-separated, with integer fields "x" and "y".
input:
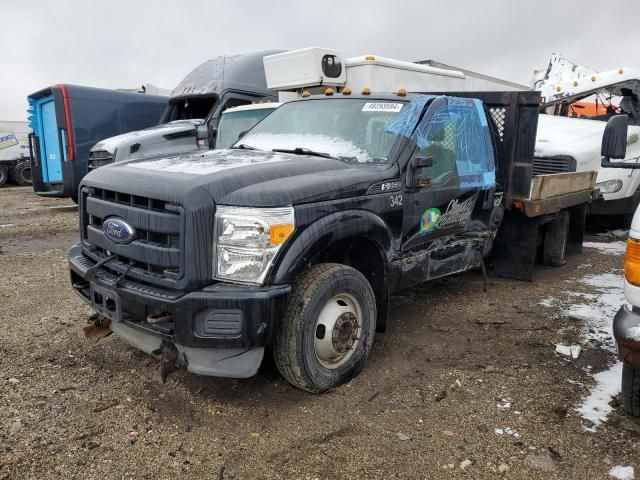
{"x": 253, "y": 106}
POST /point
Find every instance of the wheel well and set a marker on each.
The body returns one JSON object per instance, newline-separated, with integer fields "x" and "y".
{"x": 366, "y": 257}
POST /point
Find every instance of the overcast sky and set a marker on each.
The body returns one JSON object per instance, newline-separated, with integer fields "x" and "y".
{"x": 124, "y": 44}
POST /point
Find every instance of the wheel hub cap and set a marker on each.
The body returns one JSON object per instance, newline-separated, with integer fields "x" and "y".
{"x": 337, "y": 331}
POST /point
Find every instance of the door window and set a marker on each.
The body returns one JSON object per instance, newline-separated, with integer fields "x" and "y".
{"x": 456, "y": 135}
{"x": 439, "y": 144}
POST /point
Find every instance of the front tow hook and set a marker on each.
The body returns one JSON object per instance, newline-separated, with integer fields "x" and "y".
{"x": 167, "y": 363}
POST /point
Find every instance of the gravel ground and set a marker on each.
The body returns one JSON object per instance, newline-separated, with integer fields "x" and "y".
{"x": 425, "y": 406}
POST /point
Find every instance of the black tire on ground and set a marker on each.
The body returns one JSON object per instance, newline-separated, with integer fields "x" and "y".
{"x": 4, "y": 175}
{"x": 555, "y": 240}
{"x": 631, "y": 390}
{"x": 295, "y": 352}
{"x": 22, "y": 174}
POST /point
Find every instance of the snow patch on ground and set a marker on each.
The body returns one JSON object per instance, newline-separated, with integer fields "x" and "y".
{"x": 595, "y": 407}
{"x": 608, "y": 248}
{"x": 596, "y": 310}
{"x": 622, "y": 472}
{"x": 548, "y": 302}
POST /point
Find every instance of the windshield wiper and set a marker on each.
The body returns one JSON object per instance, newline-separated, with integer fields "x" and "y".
{"x": 304, "y": 151}
{"x": 244, "y": 146}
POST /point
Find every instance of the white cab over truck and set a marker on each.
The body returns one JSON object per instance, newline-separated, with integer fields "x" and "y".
{"x": 577, "y": 102}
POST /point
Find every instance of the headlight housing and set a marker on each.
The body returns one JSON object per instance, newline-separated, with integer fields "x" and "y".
{"x": 610, "y": 186}
{"x": 247, "y": 240}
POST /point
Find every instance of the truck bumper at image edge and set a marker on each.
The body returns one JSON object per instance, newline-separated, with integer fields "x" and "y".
{"x": 620, "y": 206}
{"x": 219, "y": 330}
{"x": 626, "y": 331}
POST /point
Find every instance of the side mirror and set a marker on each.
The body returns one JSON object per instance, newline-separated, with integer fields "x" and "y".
{"x": 614, "y": 140}
{"x": 415, "y": 178}
{"x": 202, "y": 136}
{"x": 614, "y": 143}
{"x": 242, "y": 134}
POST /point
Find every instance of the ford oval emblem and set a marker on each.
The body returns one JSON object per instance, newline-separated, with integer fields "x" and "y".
{"x": 118, "y": 230}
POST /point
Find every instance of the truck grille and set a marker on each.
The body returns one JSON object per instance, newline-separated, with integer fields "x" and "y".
{"x": 99, "y": 158}
{"x": 155, "y": 256}
{"x": 555, "y": 164}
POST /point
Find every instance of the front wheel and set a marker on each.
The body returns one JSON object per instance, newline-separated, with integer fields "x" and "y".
{"x": 631, "y": 390}
{"x": 328, "y": 329}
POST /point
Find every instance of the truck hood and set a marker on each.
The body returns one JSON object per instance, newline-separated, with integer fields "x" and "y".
{"x": 576, "y": 137}
{"x": 241, "y": 177}
{"x": 177, "y": 126}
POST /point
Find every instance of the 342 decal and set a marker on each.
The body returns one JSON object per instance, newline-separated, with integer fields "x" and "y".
{"x": 395, "y": 201}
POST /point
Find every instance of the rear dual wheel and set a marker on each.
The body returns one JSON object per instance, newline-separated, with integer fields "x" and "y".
{"x": 327, "y": 333}
{"x": 4, "y": 175}
{"x": 22, "y": 174}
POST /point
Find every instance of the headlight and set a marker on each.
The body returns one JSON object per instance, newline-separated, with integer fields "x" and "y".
{"x": 610, "y": 186}
{"x": 247, "y": 240}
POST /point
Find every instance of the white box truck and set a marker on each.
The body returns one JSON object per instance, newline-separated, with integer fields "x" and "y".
{"x": 14, "y": 153}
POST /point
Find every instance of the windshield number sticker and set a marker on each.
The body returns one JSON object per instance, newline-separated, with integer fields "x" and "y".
{"x": 395, "y": 201}
{"x": 382, "y": 107}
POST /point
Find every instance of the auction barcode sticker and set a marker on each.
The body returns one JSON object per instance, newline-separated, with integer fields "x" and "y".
{"x": 382, "y": 107}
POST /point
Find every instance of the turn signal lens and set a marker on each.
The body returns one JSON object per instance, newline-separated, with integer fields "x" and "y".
{"x": 279, "y": 233}
{"x": 632, "y": 262}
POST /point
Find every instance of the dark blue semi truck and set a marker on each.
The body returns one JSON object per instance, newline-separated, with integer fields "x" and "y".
{"x": 67, "y": 120}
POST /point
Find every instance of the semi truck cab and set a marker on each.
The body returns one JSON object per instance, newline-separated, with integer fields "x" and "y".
{"x": 195, "y": 104}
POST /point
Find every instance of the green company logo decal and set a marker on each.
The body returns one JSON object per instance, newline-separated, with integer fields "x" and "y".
{"x": 456, "y": 215}
{"x": 429, "y": 220}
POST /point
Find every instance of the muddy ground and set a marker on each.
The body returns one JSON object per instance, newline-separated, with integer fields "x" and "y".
{"x": 425, "y": 406}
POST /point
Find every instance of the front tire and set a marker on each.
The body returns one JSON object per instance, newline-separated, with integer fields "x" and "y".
{"x": 326, "y": 335}
{"x": 631, "y": 390}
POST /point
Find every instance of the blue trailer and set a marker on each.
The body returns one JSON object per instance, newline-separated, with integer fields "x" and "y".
{"x": 67, "y": 120}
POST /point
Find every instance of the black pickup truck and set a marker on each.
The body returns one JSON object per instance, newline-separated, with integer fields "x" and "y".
{"x": 295, "y": 238}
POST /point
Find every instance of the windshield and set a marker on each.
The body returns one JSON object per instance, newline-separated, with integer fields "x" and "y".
{"x": 350, "y": 129}
{"x": 188, "y": 108}
{"x": 601, "y": 104}
{"x": 233, "y": 124}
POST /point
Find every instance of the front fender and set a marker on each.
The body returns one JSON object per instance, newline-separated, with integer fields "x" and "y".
{"x": 326, "y": 231}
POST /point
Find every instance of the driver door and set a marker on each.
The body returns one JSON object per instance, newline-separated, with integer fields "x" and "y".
{"x": 444, "y": 212}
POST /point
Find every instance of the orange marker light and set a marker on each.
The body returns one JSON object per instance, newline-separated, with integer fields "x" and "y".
{"x": 370, "y": 58}
{"x": 328, "y": 91}
{"x": 621, "y": 71}
{"x": 306, "y": 94}
{"x": 346, "y": 91}
{"x": 632, "y": 262}
{"x": 558, "y": 88}
{"x": 593, "y": 78}
{"x": 279, "y": 233}
{"x": 366, "y": 91}
{"x": 402, "y": 92}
